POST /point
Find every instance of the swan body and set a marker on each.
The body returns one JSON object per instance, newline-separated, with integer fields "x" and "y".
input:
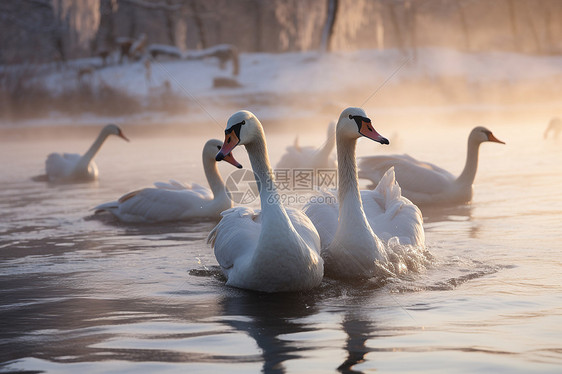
{"x": 298, "y": 157}
{"x": 351, "y": 230}
{"x": 426, "y": 183}
{"x": 389, "y": 214}
{"x": 68, "y": 167}
{"x": 554, "y": 127}
{"x": 176, "y": 201}
{"x": 275, "y": 249}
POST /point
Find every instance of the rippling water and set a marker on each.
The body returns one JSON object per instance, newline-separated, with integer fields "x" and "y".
{"x": 83, "y": 294}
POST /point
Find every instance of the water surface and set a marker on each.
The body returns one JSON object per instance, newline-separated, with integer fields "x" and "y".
{"x": 83, "y": 294}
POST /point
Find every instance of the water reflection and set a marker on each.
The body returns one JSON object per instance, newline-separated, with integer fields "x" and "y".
{"x": 265, "y": 318}
{"x": 461, "y": 216}
{"x": 359, "y": 329}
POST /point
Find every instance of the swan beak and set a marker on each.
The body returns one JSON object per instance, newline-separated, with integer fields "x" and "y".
{"x": 122, "y": 136}
{"x": 230, "y": 141}
{"x": 231, "y": 160}
{"x": 492, "y": 138}
{"x": 369, "y": 131}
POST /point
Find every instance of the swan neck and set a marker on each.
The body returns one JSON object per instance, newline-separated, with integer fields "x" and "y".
{"x": 259, "y": 159}
{"x": 213, "y": 177}
{"x": 469, "y": 172}
{"x": 350, "y": 205}
{"x": 93, "y": 150}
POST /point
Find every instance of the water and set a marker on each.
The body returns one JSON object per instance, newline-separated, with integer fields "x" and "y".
{"x": 83, "y": 294}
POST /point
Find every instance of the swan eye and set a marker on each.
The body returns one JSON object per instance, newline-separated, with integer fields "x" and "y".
{"x": 243, "y": 122}
{"x": 219, "y": 147}
{"x": 350, "y": 116}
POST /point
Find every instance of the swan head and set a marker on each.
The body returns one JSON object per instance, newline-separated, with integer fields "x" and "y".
{"x": 112, "y": 129}
{"x": 481, "y": 134}
{"x": 354, "y": 123}
{"x": 212, "y": 147}
{"x": 241, "y": 128}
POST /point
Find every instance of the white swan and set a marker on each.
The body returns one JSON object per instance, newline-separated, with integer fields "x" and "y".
{"x": 275, "y": 250}
{"x": 426, "y": 183}
{"x": 554, "y": 127}
{"x": 297, "y": 157}
{"x": 350, "y": 232}
{"x": 71, "y": 167}
{"x": 175, "y": 201}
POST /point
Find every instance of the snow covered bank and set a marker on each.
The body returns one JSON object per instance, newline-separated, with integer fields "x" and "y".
{"x": 311, "y": 83}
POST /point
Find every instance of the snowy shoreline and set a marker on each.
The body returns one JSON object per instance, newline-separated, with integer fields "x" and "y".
{"x": 310, "y": 84}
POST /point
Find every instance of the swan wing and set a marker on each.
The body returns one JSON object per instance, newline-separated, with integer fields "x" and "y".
{"x": 60, "y": 165}
{"x": 390, "y": 214}
{"x": 203, "y": 191}
{"x": 235, "y": 236}
{"x": 172, "y": 185}
{"x": 297, "y": 157}
{"x": 414, "y": 177}
{"x": 324, "y": 216}
{"x": 305, "y": 228}
{"x": 196, "y": 189}
{"x": 156, "y": 205}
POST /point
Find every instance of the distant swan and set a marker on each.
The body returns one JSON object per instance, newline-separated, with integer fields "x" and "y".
{"x": 298, "y": 157}
{"x": 275, "y": 250}
{"x": 71, "y": 167}
{"x": 426, "y": 183}
{"x": 175, "y": 201}
{"x": 554, "y": 127}
{"x": 351, "y": 232}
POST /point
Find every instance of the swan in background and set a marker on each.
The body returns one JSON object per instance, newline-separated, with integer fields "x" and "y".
{"x": 297, "y": 157}
{"x": 555, "y": 127}
{"x": 275, "y": 250}
{"x": 175, "y": 201}
{"x": 426, "y": 183}
{"x": 351, "y": 232}
{"x": 71, "y": 167}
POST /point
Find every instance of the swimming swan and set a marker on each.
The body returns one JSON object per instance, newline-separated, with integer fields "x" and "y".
{"x": 71, "y": 167}
{"x": 275, "y": 250}
{"x": 175, "y": 201}
{"x": 426, "y": 183}
{"x": 298, "y": 157}
{"x": 351, "y": 232}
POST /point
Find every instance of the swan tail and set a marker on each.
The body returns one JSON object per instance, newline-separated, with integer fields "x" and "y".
{"x": 387, "y": 189}
{"x": 212, "y": 237}
{"x": 106, "y": 207}
{"x": 128, "y": 196}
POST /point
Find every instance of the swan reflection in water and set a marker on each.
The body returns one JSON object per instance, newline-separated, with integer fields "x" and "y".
{"x": 268, "y": 317}
{"x": 441, "y": 216}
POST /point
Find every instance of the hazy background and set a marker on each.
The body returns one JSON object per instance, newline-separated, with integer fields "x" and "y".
{"x": 62, "y": 61}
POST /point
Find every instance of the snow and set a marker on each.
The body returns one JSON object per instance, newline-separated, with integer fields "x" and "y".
{"x": 313, "y": 72}
{"x": 288, "y": 76}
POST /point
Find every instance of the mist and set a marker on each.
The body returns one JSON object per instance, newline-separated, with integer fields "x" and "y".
{"x": 183, "y": 63}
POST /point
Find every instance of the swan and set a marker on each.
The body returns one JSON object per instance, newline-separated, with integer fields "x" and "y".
{"x": 297, "y": 157}
{"x": 351, "y": 231}
{"x": 71, "y": 167}
{"x": 554, "y": 126}
{"x": 426, "y": 183}
{"x": 276, "y": 249}
{"x": 175, "y": 201}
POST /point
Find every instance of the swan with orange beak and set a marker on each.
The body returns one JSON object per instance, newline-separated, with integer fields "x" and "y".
{"x": 275, "y": 249}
